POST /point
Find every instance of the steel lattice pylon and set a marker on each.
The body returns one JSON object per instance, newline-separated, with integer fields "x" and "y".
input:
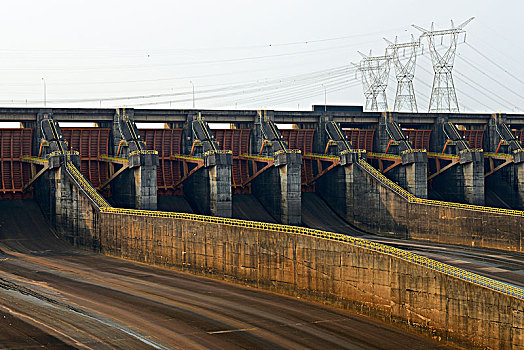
{"x": 443, "y": 95}
{"x": 374, "y": 71}
{"x": 405, "y": 72}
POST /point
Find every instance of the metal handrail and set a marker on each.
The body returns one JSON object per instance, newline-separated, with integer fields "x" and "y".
{"x": 461, "y": 274}
{"x": 85, "y": 185}
{"x": 412, "y": 199}
{"x": 143, "y": 152}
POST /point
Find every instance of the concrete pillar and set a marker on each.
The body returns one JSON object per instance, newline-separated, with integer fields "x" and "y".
{"x": 415, "y": 166}
{"x": 209, "y": 189}
{"x": 279, "y": 188}
{"x": 321, "y": 136}
{"x": 257, "y": 136}
{"x": 136, "y": 187}
{"x": 438, "y": 137}
{"x": 349, "y": 192}
{"x": 519, "y": 188}
{"x": 381, "y": 135}
{"x": 472, "y": 166}
{"x": 493, "y": 139}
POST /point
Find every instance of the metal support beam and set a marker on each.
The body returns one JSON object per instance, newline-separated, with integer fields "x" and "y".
{"x": 254, "y": 159}
{"x": 35, "y": 161}
{"x": 454, "y": 160}
{"x": 187, "y": 173}
{"x": 114, "y": 175}
{"x": 506, "y": 160}
{"x": 335, "y": 161}
{"x": 382, "y": 157}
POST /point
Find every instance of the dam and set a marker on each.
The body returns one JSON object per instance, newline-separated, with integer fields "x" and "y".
{"x": 411, "y": 220}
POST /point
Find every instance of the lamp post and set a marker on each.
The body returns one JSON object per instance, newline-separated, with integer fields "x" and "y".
{"x": 191, "y": 82}
{"x": 45, "y": 93}
{"x": 325, "y": 97}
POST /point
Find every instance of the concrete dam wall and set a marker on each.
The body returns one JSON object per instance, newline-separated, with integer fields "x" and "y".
{"x": 399, "y": 287}
{"x": 373, "y": 279}
{"x": 383, "y": 282}
{"x": 373, "y": 203}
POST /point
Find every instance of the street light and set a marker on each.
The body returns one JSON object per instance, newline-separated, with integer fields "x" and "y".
{"x": 45, "y": 93}
{"x": 325, "y": 98}
{"x": 191, "y": 82}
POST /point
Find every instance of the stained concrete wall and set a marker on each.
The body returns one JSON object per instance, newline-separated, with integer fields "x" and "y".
{"x": 68, "y": 209}
{"x": 329, "y": 271}
{"x": 375, "y": 208}
{"x": 279, "y": 188}
{"x": 508, "y": 185}
{"x": 372, "y": 283}
{"x": 76, "y": 217}
{"x": 338, "y": 273}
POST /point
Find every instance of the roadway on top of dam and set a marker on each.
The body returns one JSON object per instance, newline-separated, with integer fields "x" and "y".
{"x": 55, "y": 296}
{"x": 245, "y": 116}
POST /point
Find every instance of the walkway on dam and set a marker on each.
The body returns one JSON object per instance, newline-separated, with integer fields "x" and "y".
{"x": 58, "y": 297}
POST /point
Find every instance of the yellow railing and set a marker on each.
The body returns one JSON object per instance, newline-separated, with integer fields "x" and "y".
{"x": 66, "y": 153}
{"x": 442, "y": 155}
{"x": 280, "y": 151}
{"x": 321, "y": 156}
{"x": 143, "y": 152}
{"x": 220, "y": 151}
{"x": 383, "y": 155}
{"x": 86, "y": 185}
{"x": 377, "y": 247}
{"x": 385, "y": 181}
{"x": 113, "y": 159}
{"x": 471, "y": 150}
{"x": 412, "y": 199}
{"x": 255, "y": 157}
{"x": 413, "y": 150}
{"x": 353, "y": 150}
{"x": 35, "y": 160}
{"x": 181, "y": 156}
{"x": 503, "y": 155}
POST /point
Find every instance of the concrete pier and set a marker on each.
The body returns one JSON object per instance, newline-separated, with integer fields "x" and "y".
{"x": 278, "y": 188}
{"x": 208, "y": 189}
{"x": 136, "y": 187}
{"x": 412, "y": 173}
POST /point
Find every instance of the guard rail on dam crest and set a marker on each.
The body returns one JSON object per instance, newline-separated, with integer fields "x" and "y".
{"x": 412, "y": 199}
{"x": 362, "y": 243}
{"x": 505, "y": 288}
{"x": 84, "y": 185}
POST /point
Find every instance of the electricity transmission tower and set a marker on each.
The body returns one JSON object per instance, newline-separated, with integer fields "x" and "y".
{"x": 374, "y": 71}
{"x": 443, "y": 95}
{"x": 405, "y": 72}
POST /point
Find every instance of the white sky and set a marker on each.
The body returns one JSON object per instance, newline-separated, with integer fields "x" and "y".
{"x": 244, "y": 54}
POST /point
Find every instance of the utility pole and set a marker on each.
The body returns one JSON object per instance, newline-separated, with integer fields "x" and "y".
{"x": 405, "y": 72}
{"x": 193, "y": 93}
{"x": 443, "y": 95}
{"x": 45, "y": 93}
{"x": 325, "y": 97}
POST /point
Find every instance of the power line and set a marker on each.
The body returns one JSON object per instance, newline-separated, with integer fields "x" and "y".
{"x": 496, "y": 64}
{"x": 489, "y": 77}
{"x": 243, "y": 87}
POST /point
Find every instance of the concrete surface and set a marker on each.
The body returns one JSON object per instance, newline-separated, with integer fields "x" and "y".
{"x": 57, "y": 297}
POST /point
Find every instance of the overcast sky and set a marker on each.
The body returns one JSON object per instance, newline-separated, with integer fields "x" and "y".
{"x": 245, "y": 54}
